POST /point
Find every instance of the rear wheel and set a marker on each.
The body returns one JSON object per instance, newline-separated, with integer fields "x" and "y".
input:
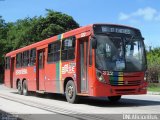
{"x": 114, "y": 98}
{"x": 25, "y": 88}
{"x": 19, "y": 87}
{"x": 71, "y": 93}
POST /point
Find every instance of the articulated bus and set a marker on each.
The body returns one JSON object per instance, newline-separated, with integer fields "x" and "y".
{"x": 100, "y": 60}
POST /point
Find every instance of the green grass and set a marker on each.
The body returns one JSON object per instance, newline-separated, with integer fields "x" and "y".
{"x": 154, "y": 87}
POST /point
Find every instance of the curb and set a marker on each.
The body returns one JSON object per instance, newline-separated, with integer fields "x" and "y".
{"x": 153, "y": 93}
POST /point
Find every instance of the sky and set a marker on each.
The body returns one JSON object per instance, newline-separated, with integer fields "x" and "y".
{"x": 142, "y": 14}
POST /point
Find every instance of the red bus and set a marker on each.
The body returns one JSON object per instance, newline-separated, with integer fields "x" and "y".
{"x": 95, "y": 60}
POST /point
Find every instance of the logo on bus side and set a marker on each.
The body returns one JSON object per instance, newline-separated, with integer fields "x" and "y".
{"x": 21, "y": 72}
{"x": 83, "y": 34}
{"x": 68, "y": 68}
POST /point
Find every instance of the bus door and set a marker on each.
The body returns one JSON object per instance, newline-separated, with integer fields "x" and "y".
{"x": 41, "y": 70}
{"x": 84, "y": 65}
{"x": 12, "y": 71}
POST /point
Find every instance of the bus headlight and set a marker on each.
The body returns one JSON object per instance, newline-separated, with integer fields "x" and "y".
{"x": 145, "y": 77}
{"x": 100, "y": 76}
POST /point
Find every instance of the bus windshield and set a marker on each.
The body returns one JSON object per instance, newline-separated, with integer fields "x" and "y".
{"x": 120, "y": 53}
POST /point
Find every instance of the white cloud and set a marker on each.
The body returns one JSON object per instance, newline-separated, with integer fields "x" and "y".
{"x": 123, "y": 16}
{"x": 147, "y": 14}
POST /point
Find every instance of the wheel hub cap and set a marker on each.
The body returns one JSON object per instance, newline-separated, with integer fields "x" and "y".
{"x": 70, "y": 91}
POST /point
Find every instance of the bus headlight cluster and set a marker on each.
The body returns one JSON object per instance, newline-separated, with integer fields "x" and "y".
{"x": 145, "y": 77}
{"x": 100, "y": 76}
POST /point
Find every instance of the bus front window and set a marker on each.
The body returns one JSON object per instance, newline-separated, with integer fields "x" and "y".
{"x": 135, "y": 59}
{"x": 119, "y": 53}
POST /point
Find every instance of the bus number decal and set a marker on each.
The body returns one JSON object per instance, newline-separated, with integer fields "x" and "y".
{"x": 68, "y": 68}
{"x": 21, "y": 72}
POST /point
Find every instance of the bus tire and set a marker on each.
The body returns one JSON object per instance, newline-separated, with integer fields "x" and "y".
{"x": 114, "y": 98}
{"x": 19, "y": 87}
{"x": 70, "y": 92}
{"x": 25, "y": 88}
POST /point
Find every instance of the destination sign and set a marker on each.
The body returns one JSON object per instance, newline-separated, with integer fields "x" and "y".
{"x": 115, "y": 29}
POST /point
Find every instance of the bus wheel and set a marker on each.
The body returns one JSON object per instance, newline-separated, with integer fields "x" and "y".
{"x": 19, "y": 87}
{"x": 114, "y": 98}
{"x": 25, "y": 88}
{"x": 70, "y": 91}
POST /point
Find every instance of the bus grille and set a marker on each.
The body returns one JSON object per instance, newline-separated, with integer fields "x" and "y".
{"x": 125, "y": 91}
{"x": 125, "y": 82}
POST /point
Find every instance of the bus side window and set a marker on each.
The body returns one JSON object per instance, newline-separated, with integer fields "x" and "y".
{"x": 68, "y": 48}
{"x": 25, "y": 58}
{"x": 54, "y": 51}
{"x": 18, "y": 60}
{"x": 7, "y": 63}
{"x": 32, "y": 57}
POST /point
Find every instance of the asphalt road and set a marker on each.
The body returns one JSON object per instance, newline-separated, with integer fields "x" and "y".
{"x": 133, "y": 104}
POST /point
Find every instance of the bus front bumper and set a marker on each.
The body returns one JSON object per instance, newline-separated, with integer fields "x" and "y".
{"x": 108, "y": 90}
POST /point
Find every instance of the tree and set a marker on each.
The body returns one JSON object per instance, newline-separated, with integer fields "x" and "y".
{"x": 3, "y": 33}
{"x": 153, "y": 60}
{"x": 30, "y": 30}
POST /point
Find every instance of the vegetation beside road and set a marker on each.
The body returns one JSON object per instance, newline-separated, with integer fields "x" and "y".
{"x": 153, "y": 62}
{"x": 153, "y": 72}
{"x": 154, "y": 87}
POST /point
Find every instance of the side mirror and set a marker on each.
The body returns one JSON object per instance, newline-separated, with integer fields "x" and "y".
{"x": 94, "y": 43}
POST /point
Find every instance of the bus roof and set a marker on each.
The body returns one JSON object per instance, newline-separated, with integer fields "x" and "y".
{"x": 115, "y": 25}
{"x": 51, "y": 39}
{"x": 66, "y": 34}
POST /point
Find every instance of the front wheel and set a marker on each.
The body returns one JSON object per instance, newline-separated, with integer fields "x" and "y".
{"x": 114, "y": 98}
{"x": 71, "y": 93}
